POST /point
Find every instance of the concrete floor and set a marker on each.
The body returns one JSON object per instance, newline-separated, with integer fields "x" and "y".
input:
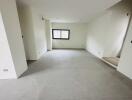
{"x": 68, "y": 75}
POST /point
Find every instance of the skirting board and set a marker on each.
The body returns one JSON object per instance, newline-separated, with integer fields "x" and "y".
{"x": 103, "y": 60}
{"x": 109, "y": 63}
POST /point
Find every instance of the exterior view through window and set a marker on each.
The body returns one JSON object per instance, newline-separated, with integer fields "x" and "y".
{"x": 63, "y": 34}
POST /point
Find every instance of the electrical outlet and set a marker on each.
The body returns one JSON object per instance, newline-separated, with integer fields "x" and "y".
{"x": 5, "y": 70}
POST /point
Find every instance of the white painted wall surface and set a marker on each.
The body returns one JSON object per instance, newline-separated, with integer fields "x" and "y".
{"x": 106, "y": 32}
{"x": 125, "y": 64}
{"x": 13, "y": 32}
{"x": 48, "y": 34}
{"x": 5, "y": 55}
{"x": 39, "y": 33}
{"x": 26, "y": 23}
{"x": 33, "y": 30}
{"x": 77, "y": 35}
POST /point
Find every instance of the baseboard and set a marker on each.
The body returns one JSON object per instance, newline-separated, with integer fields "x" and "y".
{"x": 109, "y": 63}
{"x": 113, "y": 66}
{"x": 68, "y": 49}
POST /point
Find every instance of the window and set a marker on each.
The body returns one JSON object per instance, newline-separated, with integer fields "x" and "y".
{"x": 63, "y": 34}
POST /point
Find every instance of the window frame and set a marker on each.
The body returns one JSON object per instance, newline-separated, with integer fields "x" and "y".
{"x": 60, "y": 33}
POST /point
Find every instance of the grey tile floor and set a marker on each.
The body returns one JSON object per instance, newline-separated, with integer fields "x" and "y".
{"x": 68, "y": 75}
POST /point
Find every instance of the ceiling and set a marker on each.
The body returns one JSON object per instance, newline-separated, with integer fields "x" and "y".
{"x": 70, "y": 11}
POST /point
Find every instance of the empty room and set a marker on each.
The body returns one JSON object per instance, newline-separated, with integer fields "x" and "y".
{"x": 65, "y": 50}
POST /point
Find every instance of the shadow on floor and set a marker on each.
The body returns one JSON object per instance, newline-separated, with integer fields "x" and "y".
{"x": 35, "y": 67}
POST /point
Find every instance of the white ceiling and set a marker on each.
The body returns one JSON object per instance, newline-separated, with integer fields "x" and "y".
{"x": 70, "y": 10}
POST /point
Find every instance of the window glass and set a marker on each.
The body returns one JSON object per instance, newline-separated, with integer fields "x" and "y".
{"x": 57, "y": 34}
{"x": 64, "y": 34}
{"x": 61, "y": 34}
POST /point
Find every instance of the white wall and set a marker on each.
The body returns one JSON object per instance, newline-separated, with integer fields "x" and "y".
{"x": 12, "y": 48}
{"x": 125, "y": 64}
{"x": 25, "y": 17}
{"x": 106, "y": 32}
{"x": 33, "y": 30}
{"x": 48, "y": 34}
{"x": 77, "y": 35}
{"x": 5, "y": 54}
{"x": 39, "y": 33}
